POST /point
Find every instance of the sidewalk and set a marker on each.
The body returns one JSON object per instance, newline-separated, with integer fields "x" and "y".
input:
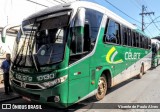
{"x": 4, "y": 98}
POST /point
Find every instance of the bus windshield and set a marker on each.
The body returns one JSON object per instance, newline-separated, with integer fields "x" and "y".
{"x": 42, "y": 42}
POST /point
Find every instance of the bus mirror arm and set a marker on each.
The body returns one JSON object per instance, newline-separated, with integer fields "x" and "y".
{"x": 4, "y": 31}
{"x": 3, "y": 34}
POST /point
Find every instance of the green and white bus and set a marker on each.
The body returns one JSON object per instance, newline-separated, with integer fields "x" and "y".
{"x": 155, "y": 52}
{"x": 73, "y": 51}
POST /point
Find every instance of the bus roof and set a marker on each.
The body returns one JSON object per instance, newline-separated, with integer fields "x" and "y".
{"x": 85, "y": 4}
{"x": 155, "y": 40}
{"x": 141, "y": 32}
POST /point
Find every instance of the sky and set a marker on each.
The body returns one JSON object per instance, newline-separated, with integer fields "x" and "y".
{"x": 14, "y": 11}
{"x": 132, "y": 8}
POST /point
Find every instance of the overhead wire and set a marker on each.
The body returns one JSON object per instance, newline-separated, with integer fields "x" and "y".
{"x": 63, "y": 1}
{"x": 150, "y": 10}
{"x": 140, "y": 4}
{"x": 152, "y": 21}
{"x": 50, "y": 2}
{"x": 37, "y": 3}
{"x": 121, "y": 11}
{"x": 129, "y": 17}
{"x": 57, "y": 1}
{"x": 133, "y": 1}
{"x": 149, "y": 32}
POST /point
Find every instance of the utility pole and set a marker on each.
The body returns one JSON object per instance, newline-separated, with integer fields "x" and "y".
{"x": 144, "y": 14}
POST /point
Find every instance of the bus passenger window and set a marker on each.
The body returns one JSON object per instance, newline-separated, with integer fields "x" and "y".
{"x": 141, "y": 41}
{"x": 134, "y": 39}
{"x": 146, "y": 43}
{"x": 125, "y": 36}
{"x": 149, "y": 43}
{"x": 84, "y": 41}
{"x": 112, "y": 34}
{"x": 137, "y": 40}
{"x": 129, "y": 38}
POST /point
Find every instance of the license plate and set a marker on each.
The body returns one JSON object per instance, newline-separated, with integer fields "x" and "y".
{"x": 25, "y": 98}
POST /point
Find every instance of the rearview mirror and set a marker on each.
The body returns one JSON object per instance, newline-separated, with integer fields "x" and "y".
{"x": 3, "y": 34}
{"x": 78, "y": 31}
{"x": 5, "y": 29}
{"x": 80, "y": 18}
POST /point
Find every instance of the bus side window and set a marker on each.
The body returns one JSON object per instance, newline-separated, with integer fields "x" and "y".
{"x": 125, "y": 36}
{"x": 147, "y": 47}
{"x": 146, "y": 42}
{"x": 84, "y": 41}
{"x": 112, "y": 34}
{"x": 118, "y": 33}
{"x": 87, "y": 40}
{"x": 137, "y": 40}
{"x": 143, "y": 42}
{"x": 134, "y": 39}
{"x": 129, "y": 37}
{"x": 140, "y": 41}
{"x": 149, "y": 43}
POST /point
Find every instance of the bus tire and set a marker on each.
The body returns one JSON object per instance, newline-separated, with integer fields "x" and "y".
{"x": 102, "y": 88}
{"x": 141, "y": 72}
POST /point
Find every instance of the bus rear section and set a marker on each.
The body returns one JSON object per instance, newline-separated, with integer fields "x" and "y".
{"x": 155, "y": 46}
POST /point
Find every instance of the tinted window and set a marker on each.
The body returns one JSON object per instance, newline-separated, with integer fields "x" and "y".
{"x": 94, "y": 19}
{"x": 146, "y": 43}
{"x": 149, "y": 43}
{"x": 134, "y": 39}
{"x": 124, "y": 36}
{"x": 85, "y": 37}
{"x": 137, "y": 40}
{"x": 112, "y": 34}
{"x": 143, "y": 42}
{"x": 129, "y": 37}
{"x": 140, "y": 41}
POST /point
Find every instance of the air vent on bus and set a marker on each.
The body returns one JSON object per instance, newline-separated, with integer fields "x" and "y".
{"x": 30, "y": 86}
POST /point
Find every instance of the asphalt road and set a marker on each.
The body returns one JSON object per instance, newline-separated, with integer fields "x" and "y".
{"x": 145, "y": 90}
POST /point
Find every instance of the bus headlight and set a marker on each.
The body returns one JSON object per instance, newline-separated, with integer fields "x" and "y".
{"x": 54, "y": 82}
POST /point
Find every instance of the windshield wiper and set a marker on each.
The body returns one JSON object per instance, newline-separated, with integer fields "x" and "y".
{"x": 30, "y": 38}
{"x": 21, "y": 50}
{"x": 30, "y": 48}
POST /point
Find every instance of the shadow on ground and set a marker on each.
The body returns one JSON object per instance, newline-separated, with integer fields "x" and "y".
{"x": 89, "y": 103}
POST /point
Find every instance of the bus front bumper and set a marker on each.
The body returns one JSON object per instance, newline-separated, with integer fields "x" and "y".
{"x": 54, "y": 96}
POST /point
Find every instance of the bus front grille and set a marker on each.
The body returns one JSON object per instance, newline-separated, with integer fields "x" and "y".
{"x": 27, "y": 85}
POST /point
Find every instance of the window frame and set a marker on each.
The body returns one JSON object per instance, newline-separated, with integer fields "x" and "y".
{"x": 85, "y": 53}
{"x": 106, "y": 29}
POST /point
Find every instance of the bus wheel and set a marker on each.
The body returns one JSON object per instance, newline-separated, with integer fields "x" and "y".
{"x": 141, "y": 72}
{"x": 102, "y": 88}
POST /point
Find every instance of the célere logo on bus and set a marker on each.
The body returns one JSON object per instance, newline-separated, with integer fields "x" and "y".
{"x": 110, "y": 57}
